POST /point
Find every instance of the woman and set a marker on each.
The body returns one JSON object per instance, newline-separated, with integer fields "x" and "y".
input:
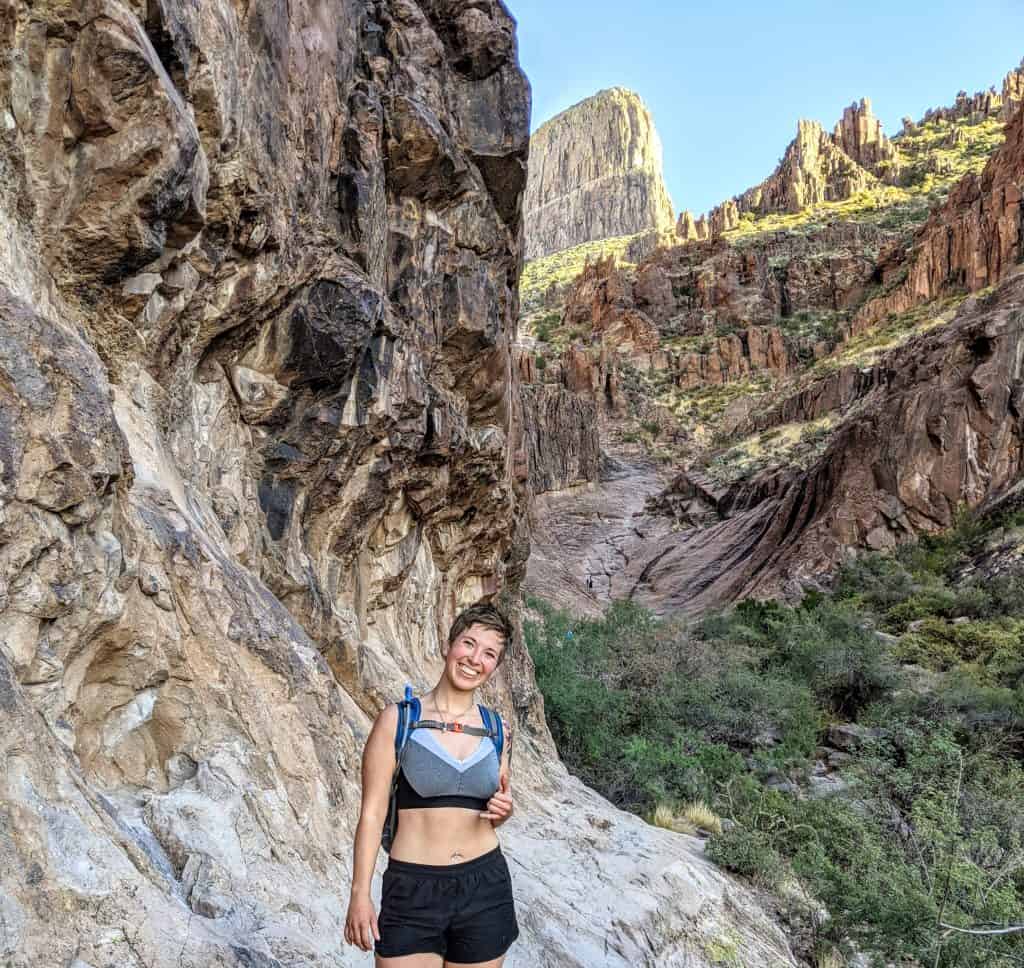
{"x": 446, "y": 899}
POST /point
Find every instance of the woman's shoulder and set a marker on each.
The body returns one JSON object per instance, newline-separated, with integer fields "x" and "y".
{"x": 387, "y": 718}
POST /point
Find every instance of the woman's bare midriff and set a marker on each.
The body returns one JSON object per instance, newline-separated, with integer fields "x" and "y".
{"x": 433, "y": 835}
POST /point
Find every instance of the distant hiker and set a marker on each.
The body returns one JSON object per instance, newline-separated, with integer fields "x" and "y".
{"x": 590, "y": 582}
{"x": 447, "y": 892}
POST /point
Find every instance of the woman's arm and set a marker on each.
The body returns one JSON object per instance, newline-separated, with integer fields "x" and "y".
{"x": 499, "y": 807}
{"x": 378, "y": 769}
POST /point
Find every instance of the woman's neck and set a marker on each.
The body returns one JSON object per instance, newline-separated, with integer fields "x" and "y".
{"x": 450, "y": 699}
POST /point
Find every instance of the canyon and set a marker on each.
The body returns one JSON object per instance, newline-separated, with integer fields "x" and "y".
{"x": 276, "y": 406}
{"x": 825, "y": 363}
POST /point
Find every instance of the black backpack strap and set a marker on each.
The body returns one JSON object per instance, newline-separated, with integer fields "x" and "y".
{"x": 408, "y": 713}
{"x": 451, "y": 727}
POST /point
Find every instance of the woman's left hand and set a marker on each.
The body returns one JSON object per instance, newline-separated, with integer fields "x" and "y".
{"x": 499, "y": 807}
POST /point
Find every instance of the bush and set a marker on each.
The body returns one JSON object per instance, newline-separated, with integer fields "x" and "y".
{"x": 747, "y": 852}
{"x": 664, "y": 712}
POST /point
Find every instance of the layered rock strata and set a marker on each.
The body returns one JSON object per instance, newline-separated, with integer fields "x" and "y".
{"x": 260, "y": 438}
{"x": 590, "y": 372}
{"x": 595, "y": 173}
{"x": 927, "y": 428}
{"x": 562, "y": 438}
{"x": 932, "y": 426}
{"x": 697, "y": 290}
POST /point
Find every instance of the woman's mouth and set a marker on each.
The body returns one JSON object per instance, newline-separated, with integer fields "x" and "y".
{"x": 467, "y": 672}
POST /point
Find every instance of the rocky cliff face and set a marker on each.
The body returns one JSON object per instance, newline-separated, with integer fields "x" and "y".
{"x": 562, "y": 439}
{"x": 936, "y": 427}
{"x": 859, "y": 135}
{"x": 697, "y": 290}
{"x": 595, "y": 173}
{"x": 805, "y": 331}
{"x": 260, "y": 438}
{"x": 972, "y": 242}
{"x": 814, "y": 169}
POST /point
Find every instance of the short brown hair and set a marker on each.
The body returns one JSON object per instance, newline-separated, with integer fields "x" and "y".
{"x": 487, "y": 615}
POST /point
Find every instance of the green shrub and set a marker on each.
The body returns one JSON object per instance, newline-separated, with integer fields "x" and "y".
{"x": 926, "y": 602}
{"x": 932, "y": 819}
{"x": 747, "y": 852}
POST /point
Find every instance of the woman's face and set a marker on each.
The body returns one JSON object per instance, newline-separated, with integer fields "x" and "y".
{"x": 473, "y": 656}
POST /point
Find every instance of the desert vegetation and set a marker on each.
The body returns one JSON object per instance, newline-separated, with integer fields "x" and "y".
{"x": 861, "y": 750}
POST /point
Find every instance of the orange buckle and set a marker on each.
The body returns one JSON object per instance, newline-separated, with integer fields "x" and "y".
{"x": 456, "y": 727}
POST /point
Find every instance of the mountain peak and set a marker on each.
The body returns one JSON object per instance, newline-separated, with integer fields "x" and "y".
{"x": 595, "y": 172}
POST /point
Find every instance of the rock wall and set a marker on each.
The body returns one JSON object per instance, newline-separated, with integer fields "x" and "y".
{"x": 938, "y": 425}
{"x": 595, "y": 173}
{"x": 972, "y": 242}
{"x": 260, "y": 438}
{"x": 696, "y": 290}
{"x": 933, "y": 425}
{"x": 563, "y": 443}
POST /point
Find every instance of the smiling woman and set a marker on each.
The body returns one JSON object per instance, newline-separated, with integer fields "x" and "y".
{"x": 446, "y": 898}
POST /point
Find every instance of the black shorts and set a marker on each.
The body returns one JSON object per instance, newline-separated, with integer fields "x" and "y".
{"x": 463, "y": 912}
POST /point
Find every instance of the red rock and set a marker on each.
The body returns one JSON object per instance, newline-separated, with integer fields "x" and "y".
{"x": 972, "y": 242}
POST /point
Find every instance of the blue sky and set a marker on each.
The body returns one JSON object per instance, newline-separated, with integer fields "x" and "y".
{"x": 726, "y": 82}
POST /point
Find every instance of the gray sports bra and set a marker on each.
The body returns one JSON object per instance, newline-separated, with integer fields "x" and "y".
{"x": 432, "y": 777}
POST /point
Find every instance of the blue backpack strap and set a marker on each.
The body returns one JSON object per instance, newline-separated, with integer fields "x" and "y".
{"x": 408, "y": 714}
{"x": 492, "y": 723}
{"x": 402, "y": 729}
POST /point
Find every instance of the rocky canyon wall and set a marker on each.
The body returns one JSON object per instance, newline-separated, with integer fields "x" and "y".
{"x": 260, "y": 438}
{"x": 972, "y": 242}
{"x": 595, "y": 173}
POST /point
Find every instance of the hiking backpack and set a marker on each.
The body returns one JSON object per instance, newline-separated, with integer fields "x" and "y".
{"x": 408, "y": 720}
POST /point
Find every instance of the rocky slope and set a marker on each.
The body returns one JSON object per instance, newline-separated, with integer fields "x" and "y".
{"x": 936, "y": 426}
{"x": 816, "y": 167}
{"x": 982, "y": 104}
{"x": 594, "y": 173}
{"x": 260, "y": 438}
